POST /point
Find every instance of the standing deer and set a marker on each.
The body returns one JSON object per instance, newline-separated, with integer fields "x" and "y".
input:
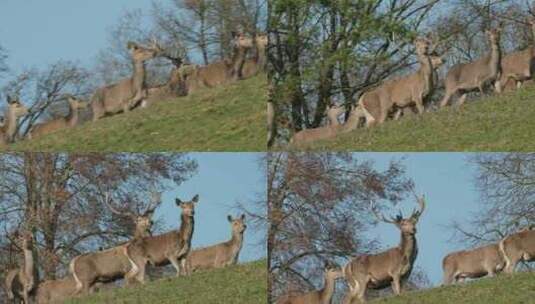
{"x": 171, "y": 247}
{"x": 253, "y": 66}
{"x": 20, "y": 283}
{"x": 392, "y": 266}
{"x": 322, "y": 296}
{"x": 518, "y": 66}
{"x": 70, "y": 121}
{"x": 15, "y": 110}
{"x": 518, "y": 247}
{"x": 405, "y": 91}
{"x": 111, "y": 264}
{"x": 217, "y": 73}
{"x": 466, "y": 77}
{"x": 475, "y": 263}
{"x": 220, "y": 255}
{"x": 129, "y": 92}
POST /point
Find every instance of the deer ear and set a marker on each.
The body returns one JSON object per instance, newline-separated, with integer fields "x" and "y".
{"x": 195, "y": 199}
{"x": 178, "y": 202}
{"x": 9, "y": 99}
{"x": 243, "y": 217}
{"x": 131, "y": 45}
{"x": 229, "y": 218}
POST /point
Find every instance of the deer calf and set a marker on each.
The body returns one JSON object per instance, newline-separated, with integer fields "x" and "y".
{"x": 322, "y": 296}
{"x": 15, "y": 110}
{"x": 463, "y": 78}
{"x": 171, "y": 247}
{"x": 60, "y": 123}
{"x": 390, "y": 267}
{"x": 220, "y": 255}
{"x": 475, "y": 263}
{"x": 518, "y": 247}
{"x": 21, "y": 282}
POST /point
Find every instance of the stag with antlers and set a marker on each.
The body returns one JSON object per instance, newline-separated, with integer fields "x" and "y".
{"x": 393, "y": 266}
{"x": 111, "y": 264}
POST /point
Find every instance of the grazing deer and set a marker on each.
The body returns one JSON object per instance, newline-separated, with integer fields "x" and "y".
{"x": 70, "y": 121}
{"x": 518, "y": 66}
{"x": 220, "y": 255}
{"x": 20, "y": 283}
{"x": 171, "y": 247}
{"x": 466, "y": 77}
{"x": 15, "y": 110}
{"x": 217, "y": 73}
{"x": 322, "y": 296}
{"x": 475, "y": 263}
{"x": 111, "y": 264}
{"x": 518, "y": 247}
{"x": 55, "y": 291}
{"x": 405, "y": 91}
{"x": 393, "y": 266}
{"x": 129, "y": 92}
{"x": 310, "y": 135}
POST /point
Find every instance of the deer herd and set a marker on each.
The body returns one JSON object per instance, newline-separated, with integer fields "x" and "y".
{"x": 398, "y": 95}
{"x": 127, "y": 261}
{"x": 392, "y": 267}
{"x": 133, "y": 92}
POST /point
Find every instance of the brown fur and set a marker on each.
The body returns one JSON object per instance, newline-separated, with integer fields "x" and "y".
{"x": 475, "y": 75}
{"x": 129, "y": 92}
{"x": 171, "y": 247}
{"x": 15, "y": 110}
{"x": 518, "y": 247}
{"x": 21, "y": 282}
{"x": 474, "y": 263}
{"x": 390, "y": 267}
{"x": 518, "y": 66}
{"x": 55, "y": 291}
{"x": 60, "y": 123}
{"x": 220, "y": 255}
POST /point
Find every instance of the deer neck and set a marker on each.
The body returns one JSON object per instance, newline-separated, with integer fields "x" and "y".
{"x": 29, "y": 264}
{"x": 10, "y": 126}
{"x": 236, "y": 241}
{"x": 495, "y": 57}
{"x": 260, "y": 55}
{"x": 138, "y": 78}
{"x": 426, "y": 70}
{"x": 186, "y": 228}
{"x": 327, "y": 292}
{"x": 72, "y": 118}
{"x": 408, "y": 246}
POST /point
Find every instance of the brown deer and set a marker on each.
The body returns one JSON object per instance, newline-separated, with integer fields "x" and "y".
{"x": 253, "y": 66}
{"x": 467, "y": 77}
{"x": 518, "y": 66}
{"x": 220, "y": 255}
{"x": 333, "y": 112}
{"x": 171, "y": 247}
{"x": 111, "y": 264}
{"x": 392, "y": 266}
{"x": 322, "y": 296}
{"x": 55, "y": 291}
{"x": 474, "y": 263}
{"x": 129, "y": 92}
{"x": 217, "y": 73}
{"x": 314, "y": 134}
{"x": 518, "y": 247}
{"x": 15, "y": 110}
{"x": 70, "y": 121}
{"x": 405, "y": 91}
{"x": 20, "y": 283}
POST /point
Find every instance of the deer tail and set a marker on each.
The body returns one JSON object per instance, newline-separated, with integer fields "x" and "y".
{"x": 501, "y": 245}
{"x": 72, "y": 269}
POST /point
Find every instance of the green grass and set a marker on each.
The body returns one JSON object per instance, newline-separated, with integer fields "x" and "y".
{"x": 245, "y": 283}
{"x": 504, "y": 289}
{"x": 226, "y": 118}
{"x": 498, "y": 123}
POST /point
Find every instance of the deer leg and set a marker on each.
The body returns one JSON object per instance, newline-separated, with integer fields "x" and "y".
{"x": 444, "y": 102}
{"x": 396, "y": 286}
{"x": 498, "y": 86}
{"x": 174, "y": 261}
{"x": 398, "y": 114}
{"x": 420, "y": 106}
{"x": 518, "y": 84}
{"x": 462, "y": 99}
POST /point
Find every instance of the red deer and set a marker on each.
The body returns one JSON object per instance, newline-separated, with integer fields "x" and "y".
{"x": 474, "y": 263}
{"x": 20, "y": 283}
{"x": 15, "y": 110}
{"x": 518, "y": 247}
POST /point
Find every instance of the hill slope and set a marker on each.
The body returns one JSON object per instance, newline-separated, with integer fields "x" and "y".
{"x": 496, "y": 123}
{"x": 504, "y": 289}
{"x": 245, "y": 283}
{"x": 226, "y": 118}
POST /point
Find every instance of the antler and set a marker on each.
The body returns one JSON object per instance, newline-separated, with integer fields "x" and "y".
{"x": 154, "y": 203}
{"x": 107, "y": 202}
{"x": 379, "y": 216}
{"x": 421, "y": 204}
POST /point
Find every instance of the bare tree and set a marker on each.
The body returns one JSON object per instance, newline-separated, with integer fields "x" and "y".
{"x": 318, "y": 209}
{"x": 66, "y": 191}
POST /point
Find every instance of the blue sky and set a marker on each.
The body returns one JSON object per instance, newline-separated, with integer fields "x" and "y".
{"x": 222, "y": 180}
{"x": 37, "y": 33}
{"x": 446, "y": 180}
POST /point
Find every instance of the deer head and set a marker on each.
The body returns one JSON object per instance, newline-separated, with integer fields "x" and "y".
{"x": 238, "y": 224}
{"x": 75, "y": 103}
{"x": 141, "y": 53}
{"x": 406, "y": 225}
{"x": 16, "y": 107}
{"x": 241, "y": 40}
{"x": 188, "y": 208}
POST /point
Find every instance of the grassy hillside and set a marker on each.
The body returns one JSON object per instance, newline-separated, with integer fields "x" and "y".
{"x": 245, "y": 283}
{"x": 496, "y": 123}
{"x": 505, "y": 289}
{"x": 227, "y": 118}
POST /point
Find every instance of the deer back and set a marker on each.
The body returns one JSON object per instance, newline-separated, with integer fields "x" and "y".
{"x": 108, "y": 264}
{"x": 55, "y": 291}
{"x": 155, "y": 247}
{"x": 473, "y": 262}
{"x": 518, "y": 64}
{"x": 314, "y": 134}
{"x": 522, "y": 242}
